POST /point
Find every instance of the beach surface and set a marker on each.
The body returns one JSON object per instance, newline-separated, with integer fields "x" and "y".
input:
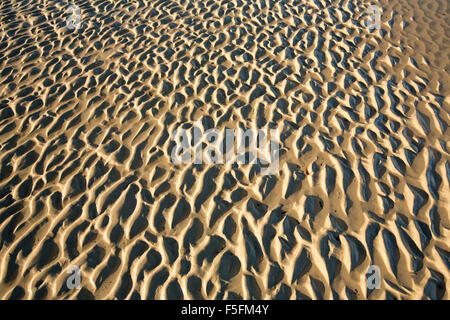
{"x": 92, "y": 205}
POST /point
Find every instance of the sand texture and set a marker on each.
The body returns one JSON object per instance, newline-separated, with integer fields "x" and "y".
{"x": 87, "y": 180}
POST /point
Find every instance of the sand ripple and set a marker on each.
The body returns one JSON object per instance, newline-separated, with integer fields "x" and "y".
{"x": 86, "y": 177}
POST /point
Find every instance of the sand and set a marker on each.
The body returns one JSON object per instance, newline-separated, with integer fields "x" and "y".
{"x": 86, "y": 177}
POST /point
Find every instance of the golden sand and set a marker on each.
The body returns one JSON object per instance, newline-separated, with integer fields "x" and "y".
{"x": 86, "y": 177}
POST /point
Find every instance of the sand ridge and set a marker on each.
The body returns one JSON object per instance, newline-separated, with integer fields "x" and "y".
{"x": 86, "y": 179}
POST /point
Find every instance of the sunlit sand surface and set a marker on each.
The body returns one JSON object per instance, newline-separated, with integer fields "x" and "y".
{"x": 86, "y": 177}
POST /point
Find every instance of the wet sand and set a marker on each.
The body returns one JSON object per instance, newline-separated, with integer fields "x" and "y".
{"x": 86, "y": 177}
